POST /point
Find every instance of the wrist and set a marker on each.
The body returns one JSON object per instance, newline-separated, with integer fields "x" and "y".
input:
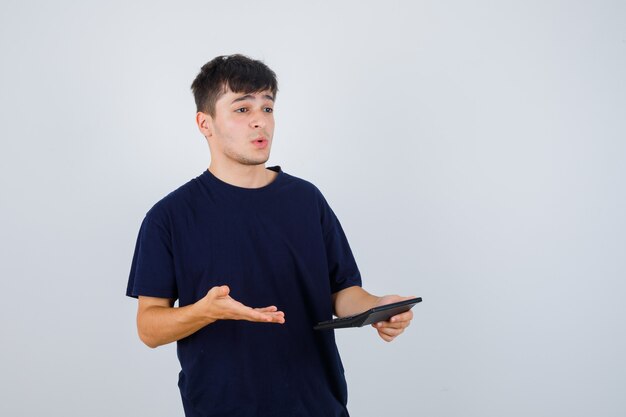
{"x": 377, "y": 300}
{"x": 200, "y": 312}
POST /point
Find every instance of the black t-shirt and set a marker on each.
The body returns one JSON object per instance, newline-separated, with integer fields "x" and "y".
{"x": 280, "y": 245}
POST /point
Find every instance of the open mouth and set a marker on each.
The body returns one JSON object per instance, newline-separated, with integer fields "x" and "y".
{"x": 260, "y": 143}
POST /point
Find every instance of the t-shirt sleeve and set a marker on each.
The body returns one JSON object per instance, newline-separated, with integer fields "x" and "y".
{"x": 342, "y": 267}
{"x": 152, "y": 271}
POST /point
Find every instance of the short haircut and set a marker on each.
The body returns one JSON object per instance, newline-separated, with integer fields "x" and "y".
{"x": 236, "y": 72}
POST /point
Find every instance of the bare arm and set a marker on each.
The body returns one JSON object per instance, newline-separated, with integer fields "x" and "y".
{"x": 159, "y": 323}
{"x": 354, "y": 300}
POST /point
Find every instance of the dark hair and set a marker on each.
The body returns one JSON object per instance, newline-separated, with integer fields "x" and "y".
{"x": 236, "y": 72}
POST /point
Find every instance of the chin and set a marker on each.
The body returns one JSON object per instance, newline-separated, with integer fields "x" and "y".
{"x": 254, "y": 161}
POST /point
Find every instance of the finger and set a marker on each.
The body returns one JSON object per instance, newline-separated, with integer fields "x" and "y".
{"x": 406, "y": 316}
{"x": 273, "y": 318}
{"x": 278, "y": 317}
{"x": 388, "y": 328}
{"x": 271, "y": 314}
{"x": 388, "y": 299}
{"x": 404, "y": 298}
{"x": 267, "y": 309}
{"x": 224, "y": 290}
{"x": 220, "y": 291}
{"x": 398, "y": 323}
{"x": 385, "y": 337}
{"x": 251, "y": 314}
{"x": 391, "y": 332}
{"x": 389, "y": 325}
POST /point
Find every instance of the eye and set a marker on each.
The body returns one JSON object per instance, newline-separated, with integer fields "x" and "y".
{"x": 241, "y": 110}
{"x": 268, "y": 110}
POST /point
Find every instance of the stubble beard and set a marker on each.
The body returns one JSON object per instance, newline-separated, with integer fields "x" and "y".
{"x": 245, "y": 160}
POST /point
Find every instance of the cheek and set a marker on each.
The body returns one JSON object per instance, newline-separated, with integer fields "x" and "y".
{"x": 232, "y": 126}
{"x": 270, "y": 125}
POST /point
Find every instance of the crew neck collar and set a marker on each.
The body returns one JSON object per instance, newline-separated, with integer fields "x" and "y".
{"x": 208, "y": 175}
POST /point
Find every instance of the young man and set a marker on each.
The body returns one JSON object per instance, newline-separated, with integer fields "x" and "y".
{"x": 255, "y": 258}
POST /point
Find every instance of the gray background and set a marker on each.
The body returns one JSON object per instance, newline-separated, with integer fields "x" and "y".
{"x": 473, "y": 151}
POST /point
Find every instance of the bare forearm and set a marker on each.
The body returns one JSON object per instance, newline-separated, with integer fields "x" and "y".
{"x": 159, "y": 325}
{"x": 353, "y": 300}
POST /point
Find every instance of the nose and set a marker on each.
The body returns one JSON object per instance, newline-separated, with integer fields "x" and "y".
{"x": 257, "y": 122}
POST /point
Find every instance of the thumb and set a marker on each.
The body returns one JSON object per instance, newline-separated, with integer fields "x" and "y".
{"x": 221, "y": 291}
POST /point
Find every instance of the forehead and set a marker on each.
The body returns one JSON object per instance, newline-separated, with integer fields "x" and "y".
{"x": 231, "y": 97}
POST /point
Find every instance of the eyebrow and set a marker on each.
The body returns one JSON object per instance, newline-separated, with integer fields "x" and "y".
{"x": 251, "y": 97}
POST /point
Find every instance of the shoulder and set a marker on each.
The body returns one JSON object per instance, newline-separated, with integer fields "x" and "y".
{"x": 173, "y": 203}
{"x": 305, "y": 191}
{"x": 302, "y": 185}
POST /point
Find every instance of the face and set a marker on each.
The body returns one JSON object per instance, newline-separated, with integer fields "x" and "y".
{"x": 242, "y": 128}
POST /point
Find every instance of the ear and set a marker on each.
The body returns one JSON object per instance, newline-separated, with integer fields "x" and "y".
{"x": 205, "y": 124}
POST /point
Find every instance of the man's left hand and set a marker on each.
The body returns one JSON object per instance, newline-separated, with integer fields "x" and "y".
{"x": 392, "y": 328}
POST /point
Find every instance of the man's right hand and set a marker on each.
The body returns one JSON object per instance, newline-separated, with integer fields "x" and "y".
{"x": 219, "y": 305}
{"x": 158, "y": 323}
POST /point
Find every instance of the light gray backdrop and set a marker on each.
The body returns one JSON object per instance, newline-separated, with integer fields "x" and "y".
{"x": 473, "y": 151}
